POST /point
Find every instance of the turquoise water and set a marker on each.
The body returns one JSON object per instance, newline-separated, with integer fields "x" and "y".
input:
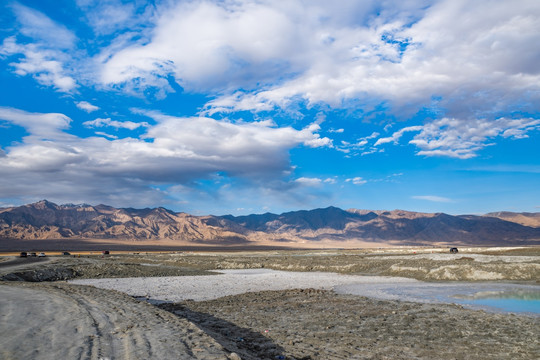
{"x": 511, "y": 305}
{"x": 493, "y": 297}
{"x": 519, "y": 301}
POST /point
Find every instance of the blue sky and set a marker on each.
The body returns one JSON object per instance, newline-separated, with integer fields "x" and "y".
{"x": 238, "y": 107}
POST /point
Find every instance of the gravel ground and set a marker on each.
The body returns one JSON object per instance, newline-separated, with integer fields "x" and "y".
{"x": 319, "y": 324}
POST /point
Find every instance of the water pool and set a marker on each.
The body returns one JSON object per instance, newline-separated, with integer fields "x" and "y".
{"x": 520, "y": 301}
{"x": 493, "y": 297}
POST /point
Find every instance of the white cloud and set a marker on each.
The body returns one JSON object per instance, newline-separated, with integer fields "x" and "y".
{"x": 433, "y": 198}
{"x": 44, "y": 65}
{"x": 371, "y": 150}
{"x": 245, "y": 45}
{"x": 86, "y": 106}
{"x": 116, "y": 124}
{"x": 38, "y": 26}
{"x": 44, "y": 126}
{"x": 359, "y": 146}
{"x": 45, "y": 57}
{"x": 259, "y": 55}
{"x": 175, "y": 150}
{"x": 108, "y": 16}
{"x": 307, "y": 181}
{"x": 468, "y": 64}
{"x": 106, "y": 135}
{"x": 462, "y": 139}
{"x": 397, "y": 135}
{"x": 357, "y": 181}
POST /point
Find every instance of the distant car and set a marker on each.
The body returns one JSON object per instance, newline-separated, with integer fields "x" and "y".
{"x": 32, "y": 254}
{"x": 23, "y": 254}
{"x": 105, "y": 252}
{"x": 66, "y": 253}
{"x": 454, "y": 250}
{"x": 41, "y": 255}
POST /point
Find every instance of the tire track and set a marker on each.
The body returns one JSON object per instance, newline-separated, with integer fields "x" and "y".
{"x": 81, "y": 322}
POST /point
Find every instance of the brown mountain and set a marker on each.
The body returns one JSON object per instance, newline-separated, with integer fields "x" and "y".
{"x": 46, "y": 220}
{"x": 329, "y": 227}
{"x": 523, "y": 218}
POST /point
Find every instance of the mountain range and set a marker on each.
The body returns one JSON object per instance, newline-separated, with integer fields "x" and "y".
{"x": 328, "y": 227}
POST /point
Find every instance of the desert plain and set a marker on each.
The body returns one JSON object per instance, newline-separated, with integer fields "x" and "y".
{"x": 273, "y": 304}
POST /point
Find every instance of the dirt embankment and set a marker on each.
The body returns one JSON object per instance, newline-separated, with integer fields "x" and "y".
{"x": 91, "y": 267}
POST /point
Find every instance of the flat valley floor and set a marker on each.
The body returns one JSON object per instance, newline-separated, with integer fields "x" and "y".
{"x": 43, "y": 316}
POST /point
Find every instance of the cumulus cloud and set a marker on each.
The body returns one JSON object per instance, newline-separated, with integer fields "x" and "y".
{"x": 467, "y": 64}
{"x": 86, "y": 106}
{"x": 263, "y": 54}
{"x": 176, "y": 150}
{"x": 259, "y": 55}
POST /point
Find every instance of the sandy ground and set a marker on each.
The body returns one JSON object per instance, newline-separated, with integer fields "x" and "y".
{"x": 58, "y": 320}
{"x": 73, "y": 322}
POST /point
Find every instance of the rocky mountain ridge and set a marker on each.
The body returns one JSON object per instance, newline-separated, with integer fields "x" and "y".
{"x": 46, "y": 220}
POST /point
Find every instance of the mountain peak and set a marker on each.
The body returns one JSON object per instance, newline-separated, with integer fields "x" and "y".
{"x": 43, "y": 204}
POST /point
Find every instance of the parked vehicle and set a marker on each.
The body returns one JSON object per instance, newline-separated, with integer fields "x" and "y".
{"x": 66, "y": 253}
{"x": 41, "y": 255}
{"x": 23, "y": 254}
{"x": 454, "y": 250}
{"x": 105, "y": 252}
{"x": 32, "y": 254}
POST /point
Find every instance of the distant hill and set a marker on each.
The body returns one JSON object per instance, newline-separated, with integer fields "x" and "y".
{"x": 524, "y": 218}
{"x": 328, "y": 227}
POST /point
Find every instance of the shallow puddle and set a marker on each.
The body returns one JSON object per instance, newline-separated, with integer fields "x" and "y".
{"x": 522, "y": 301}
{"x": 493, "y": 297}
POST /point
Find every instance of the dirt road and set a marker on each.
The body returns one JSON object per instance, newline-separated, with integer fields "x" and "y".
{"x": 62, "y": 321}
